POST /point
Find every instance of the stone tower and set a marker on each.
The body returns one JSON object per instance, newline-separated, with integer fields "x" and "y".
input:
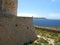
{"x": 14, "y": 30}
{"x": 8, "y": 7}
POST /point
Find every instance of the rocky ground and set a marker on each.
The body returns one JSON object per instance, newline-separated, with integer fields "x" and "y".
{"x": 46, "y": 38}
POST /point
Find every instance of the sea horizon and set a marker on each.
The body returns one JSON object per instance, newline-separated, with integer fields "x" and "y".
{"x": 46, "y": 22}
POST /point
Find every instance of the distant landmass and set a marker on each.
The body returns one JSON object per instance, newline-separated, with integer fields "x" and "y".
{"x": 39, "y": 18}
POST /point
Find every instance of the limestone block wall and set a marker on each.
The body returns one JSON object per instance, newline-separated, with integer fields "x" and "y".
{"x": 16, "y": 30}
{"x": 8, "y": 7}
{"x": 0, "y": 5}
{"x": 7, "y": 34}
{"x": 25, "y": 26}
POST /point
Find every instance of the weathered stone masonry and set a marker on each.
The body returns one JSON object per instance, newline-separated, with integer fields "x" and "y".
{"x": 14, "y": 30}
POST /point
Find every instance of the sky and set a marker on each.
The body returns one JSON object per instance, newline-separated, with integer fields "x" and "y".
{"x": 39, "y": 8}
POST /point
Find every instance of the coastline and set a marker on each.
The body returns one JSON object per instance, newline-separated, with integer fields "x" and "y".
{"x": 46, "y": 37}
{"x": 53, "y": 29}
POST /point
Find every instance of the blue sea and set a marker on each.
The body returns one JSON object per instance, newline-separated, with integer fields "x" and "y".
{"x": 46, "y": 22}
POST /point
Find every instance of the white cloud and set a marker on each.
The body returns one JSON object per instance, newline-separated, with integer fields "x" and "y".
{"x": 49, "y": 16}
{"x": 27, "y": 14}
{"x": 53, "y": 16}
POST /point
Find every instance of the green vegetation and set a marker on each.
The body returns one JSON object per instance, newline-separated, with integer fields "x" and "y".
{"x": 46, "y": 38}
{"x": 57, "y": 27}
